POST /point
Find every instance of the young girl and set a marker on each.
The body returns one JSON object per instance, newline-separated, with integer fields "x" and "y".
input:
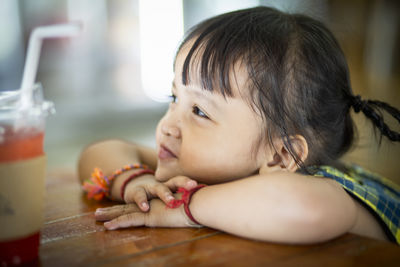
{"x": 260, "y": 113}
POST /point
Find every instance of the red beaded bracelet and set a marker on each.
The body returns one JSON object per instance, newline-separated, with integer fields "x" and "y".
{"x": 186, "y": 197}
{"x": 133, "y": 176}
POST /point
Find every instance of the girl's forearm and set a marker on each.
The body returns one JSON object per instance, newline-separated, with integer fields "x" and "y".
{"x": 275, "y": 208}
{"x": 111, "y": 155}
{"x": 107, "y": 155}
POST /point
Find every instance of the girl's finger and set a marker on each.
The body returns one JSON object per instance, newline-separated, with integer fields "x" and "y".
{"x": 181, "y": 181}
{"x": 137, "y": 195}
{"x": 127, "y": 220}
{"x": 106, "y": 214}
{"x": 162, "y": 192}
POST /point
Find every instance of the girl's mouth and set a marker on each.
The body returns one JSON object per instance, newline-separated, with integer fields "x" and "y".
{"x": 164, "y": 153}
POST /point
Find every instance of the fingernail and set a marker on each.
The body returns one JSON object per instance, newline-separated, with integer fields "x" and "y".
{"x": 169, "y": 197}
{"x": 144, "y": 205}
{"x": 109, "y": 226}
{"x": 191, "y": 183}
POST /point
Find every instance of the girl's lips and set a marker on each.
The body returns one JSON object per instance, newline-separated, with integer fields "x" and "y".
{"x": 165, "y": 153}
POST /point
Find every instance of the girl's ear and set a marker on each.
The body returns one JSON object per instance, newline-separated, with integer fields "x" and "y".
{"x": 281, "y": 157}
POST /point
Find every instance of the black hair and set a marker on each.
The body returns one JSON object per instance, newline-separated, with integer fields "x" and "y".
{"x": 298, "y": 77}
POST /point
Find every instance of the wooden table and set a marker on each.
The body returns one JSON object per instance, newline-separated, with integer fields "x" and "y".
{"x": 72, "y": 237}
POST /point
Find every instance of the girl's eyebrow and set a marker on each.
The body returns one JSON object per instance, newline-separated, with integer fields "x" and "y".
{"x": 199, "y": 94}
{"x": 206, "y": 98}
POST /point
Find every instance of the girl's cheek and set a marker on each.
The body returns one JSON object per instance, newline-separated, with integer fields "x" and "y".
{"x": 158, "y": 132}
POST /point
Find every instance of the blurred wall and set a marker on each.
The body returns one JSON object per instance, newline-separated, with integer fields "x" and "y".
{"x": 369, "y": 32}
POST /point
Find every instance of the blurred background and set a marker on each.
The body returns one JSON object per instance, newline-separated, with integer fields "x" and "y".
{"x": 113, "y": 79}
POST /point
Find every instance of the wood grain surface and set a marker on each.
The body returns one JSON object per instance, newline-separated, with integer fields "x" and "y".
{"x": 72, "y": 237}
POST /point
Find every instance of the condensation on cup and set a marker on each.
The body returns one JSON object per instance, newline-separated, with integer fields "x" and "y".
{"x": 22, "y": 175}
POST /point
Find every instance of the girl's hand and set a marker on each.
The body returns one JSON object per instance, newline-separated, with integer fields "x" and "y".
{"x": 129, "y": 215}
{"x": 146, "y": 187}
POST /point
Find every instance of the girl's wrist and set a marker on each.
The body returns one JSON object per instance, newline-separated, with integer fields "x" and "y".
{"x": 100, "y": 185}
{"x": 184, "y": 202}
{"x": 188, "y": 221}
{"x": 139, "y": 178}
{"x": 192, "y": 206}
{"x": 120, "y": 182}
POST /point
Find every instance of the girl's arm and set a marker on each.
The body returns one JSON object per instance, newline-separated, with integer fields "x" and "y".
{"x": 111, "y": 155}
{"x": 279, "y": 207}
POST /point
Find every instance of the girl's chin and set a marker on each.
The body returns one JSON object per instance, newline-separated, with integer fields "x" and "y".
{"x": 163, "y": 175}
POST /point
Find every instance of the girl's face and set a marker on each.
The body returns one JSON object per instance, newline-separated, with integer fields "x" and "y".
{"x": 205, "y": 136}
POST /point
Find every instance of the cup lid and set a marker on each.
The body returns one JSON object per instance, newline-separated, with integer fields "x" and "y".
{"x": 10, "y": 104}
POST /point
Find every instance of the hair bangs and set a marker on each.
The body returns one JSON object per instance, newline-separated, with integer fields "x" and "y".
{"x": 211, "y": 59}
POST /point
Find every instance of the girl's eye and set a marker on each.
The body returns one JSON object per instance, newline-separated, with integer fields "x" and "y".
{"x": 197, "y": 111}
{"x": 174, "y": 98}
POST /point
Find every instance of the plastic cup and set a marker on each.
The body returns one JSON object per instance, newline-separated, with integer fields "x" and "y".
{"x": 22, "y": 176}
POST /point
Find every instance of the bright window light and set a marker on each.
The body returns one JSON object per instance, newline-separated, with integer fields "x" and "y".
{"x": 161, "y": 29}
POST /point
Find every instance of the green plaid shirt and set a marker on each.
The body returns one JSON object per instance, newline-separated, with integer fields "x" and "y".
{"x": 379, "y": 194}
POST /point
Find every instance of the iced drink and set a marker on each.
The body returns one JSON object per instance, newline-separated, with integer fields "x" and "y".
{"x": 22, "y": 179}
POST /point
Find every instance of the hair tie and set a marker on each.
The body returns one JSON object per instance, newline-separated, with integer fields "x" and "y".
{"x": 358, "y": 104}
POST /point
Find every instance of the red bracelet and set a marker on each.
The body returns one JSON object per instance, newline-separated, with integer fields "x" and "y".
{"x": 186, "y": 197}
{"x": 99, "y": 185}
{"x": 133, "y": 176}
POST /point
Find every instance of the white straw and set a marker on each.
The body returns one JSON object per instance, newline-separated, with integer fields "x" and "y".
{"x": 33, "y": 54}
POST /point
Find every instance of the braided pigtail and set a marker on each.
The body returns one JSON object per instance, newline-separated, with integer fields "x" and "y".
{"x": 372, "y": 109}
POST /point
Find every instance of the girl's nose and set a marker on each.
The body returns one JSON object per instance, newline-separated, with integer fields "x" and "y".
{"x": 170, "y": 130}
